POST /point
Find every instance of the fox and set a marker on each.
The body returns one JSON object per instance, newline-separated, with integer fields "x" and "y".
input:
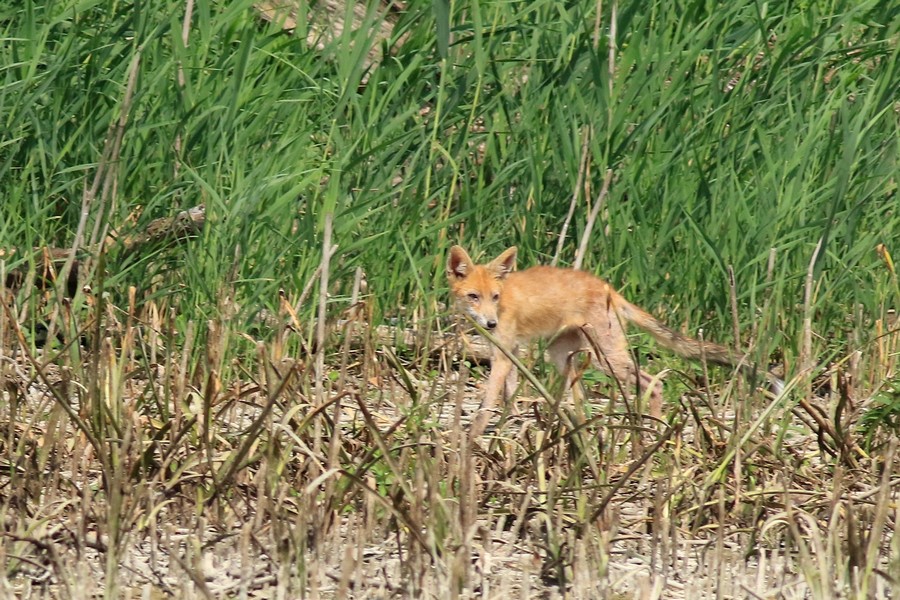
{"x": 555, "y": 303}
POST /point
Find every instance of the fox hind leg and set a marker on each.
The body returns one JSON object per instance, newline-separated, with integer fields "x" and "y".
{"x": 562, "y": 352}
{"x": 614, "y": 358}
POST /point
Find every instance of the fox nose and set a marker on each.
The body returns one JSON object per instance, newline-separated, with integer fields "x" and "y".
{"x": 490, "y": 324}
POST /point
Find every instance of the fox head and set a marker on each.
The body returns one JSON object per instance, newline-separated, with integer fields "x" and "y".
{"x": 477, "y": 288}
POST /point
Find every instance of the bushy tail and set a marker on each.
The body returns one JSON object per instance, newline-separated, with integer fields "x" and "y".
{"x": 689, "y": 347}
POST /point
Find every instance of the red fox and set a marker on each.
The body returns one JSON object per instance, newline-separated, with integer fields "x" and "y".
{"x": 549, "y": 302}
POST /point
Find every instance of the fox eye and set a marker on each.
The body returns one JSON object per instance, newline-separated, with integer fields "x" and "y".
{"x": 472, "y": 296}
{"x": 496, "y": 297}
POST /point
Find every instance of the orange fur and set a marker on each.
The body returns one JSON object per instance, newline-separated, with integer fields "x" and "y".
{"x": 548, "y": 302}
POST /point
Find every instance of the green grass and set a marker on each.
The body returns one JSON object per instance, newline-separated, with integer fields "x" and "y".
{"x": 740, "y": 136}
{"x": 730, "y": 132}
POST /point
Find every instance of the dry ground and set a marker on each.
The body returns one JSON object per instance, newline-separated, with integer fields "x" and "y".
{"x": 251, "y": 487}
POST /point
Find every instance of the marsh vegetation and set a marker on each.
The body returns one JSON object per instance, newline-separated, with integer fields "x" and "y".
{"x": 270, "y": 397}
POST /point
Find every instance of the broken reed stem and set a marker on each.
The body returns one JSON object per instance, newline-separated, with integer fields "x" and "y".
{"x": 334, "y": 444}
{"x": 582, "y": 168}
{"x": 598, "y": 203}
{"x": 806, "y": 333}
{"x": 597, "y": 21}
{"x": 614, "y": 17}
{"x": 351, "y": 327}
{"x": 882, "y": 506}
{"x": 182, "y": 80}
{"x": 607, "y": 179}
{"x": 738, "y": 405}
{"x": 767, "y": 296}
{"x": 107, "y": 170}
{"x": 105, "y": 174}
{"x": 185, "y": 33}
{"x": 322, "y": 314}
{"x": 735, "y": 324}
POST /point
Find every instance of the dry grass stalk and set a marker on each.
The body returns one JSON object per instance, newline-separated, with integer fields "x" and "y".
{"x": 553, "y": 492}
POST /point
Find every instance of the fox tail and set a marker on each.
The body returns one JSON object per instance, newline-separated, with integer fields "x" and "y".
{"x": 689, "y": 347}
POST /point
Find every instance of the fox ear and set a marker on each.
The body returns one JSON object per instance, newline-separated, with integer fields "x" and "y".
{"x": 458, "y": 263}
{"x": 504, "y": 264}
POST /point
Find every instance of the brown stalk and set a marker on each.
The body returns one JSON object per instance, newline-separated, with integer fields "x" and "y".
{"x": 106, "y": 175}
{"x": 42, "y": 375}
{"x": 582, "y": 168}
{"x": 806, "y": 364}
{"x": 185, "y": 34}
{"x": 598, "y": 204}
{"x": 632, "y": 469}
{"x": 236, "y": 459}
{"x": 323, "y": 312}
{"x": 607, "y": 179}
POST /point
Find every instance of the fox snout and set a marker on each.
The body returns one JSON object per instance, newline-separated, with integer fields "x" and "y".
{"x": 488, "y": 322}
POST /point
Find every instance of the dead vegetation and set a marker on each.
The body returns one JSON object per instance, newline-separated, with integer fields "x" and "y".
{"x": 137, "y": 461}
